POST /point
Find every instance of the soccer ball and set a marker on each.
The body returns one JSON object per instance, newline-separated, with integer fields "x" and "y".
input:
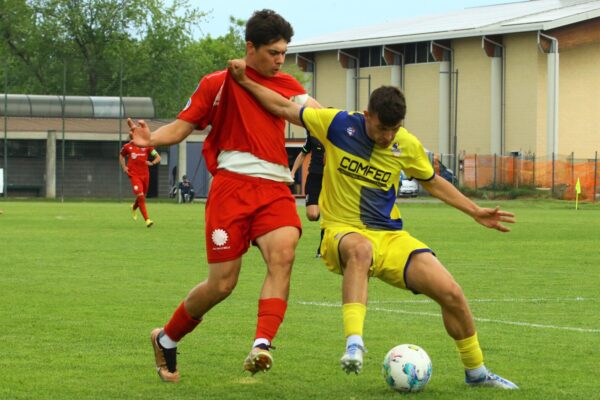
{"x": 407, "y": 368}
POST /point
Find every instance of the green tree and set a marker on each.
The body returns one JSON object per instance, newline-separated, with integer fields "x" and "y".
{"x": 110, "y": 47}
{"x": 95, "y": 39}
{"x": 195, "y": 60}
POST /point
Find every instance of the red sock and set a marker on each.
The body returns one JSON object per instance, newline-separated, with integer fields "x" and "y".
{"x": 135, "y": 203}
{"x": 270, "y": 316}
{"x": 180, "y": 324}
{"x": 141, "y": 200}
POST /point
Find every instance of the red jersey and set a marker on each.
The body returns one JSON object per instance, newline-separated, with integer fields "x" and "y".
{"x": 136, "y": 158}
{"x": 239, "y": 122}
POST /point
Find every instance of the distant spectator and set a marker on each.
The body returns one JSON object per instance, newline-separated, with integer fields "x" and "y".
{"x": 186, "y": 190}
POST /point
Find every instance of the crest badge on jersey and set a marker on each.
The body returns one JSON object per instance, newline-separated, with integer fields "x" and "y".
{"x": 219, "y": 237}
{"x": 396, "y": 151}
{"x": 350, "y": 131}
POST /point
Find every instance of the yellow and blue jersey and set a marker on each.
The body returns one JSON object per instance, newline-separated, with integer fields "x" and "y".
{"x": 361, "y": 179}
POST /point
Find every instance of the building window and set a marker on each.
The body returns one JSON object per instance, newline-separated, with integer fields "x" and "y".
{"x": 89, "y": 149}
{"x": 417, "y": 53}
{"x": 24, "y": 148}
{"x": 422, "y": 52}
{"x": 370, "y": 57}
{"x": 376, "y": 56}
{"x": 410, "y": 53}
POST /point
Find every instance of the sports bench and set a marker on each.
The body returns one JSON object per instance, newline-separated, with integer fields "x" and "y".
{"x": 24, "y": 187}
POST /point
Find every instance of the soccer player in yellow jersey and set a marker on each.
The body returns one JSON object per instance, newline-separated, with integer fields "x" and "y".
{"x": 363, "y": 228}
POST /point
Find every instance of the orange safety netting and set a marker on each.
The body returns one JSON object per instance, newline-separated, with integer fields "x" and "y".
{"x": 558, "y": 175}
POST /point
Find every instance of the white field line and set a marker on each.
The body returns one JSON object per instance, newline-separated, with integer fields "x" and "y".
{"x": 509, "y": 300}
{"x": 438, "y": 315}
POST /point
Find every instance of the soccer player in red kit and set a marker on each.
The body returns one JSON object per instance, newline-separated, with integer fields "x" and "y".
{"x": 139, "y": 175}
{"x": 249, "y": 200}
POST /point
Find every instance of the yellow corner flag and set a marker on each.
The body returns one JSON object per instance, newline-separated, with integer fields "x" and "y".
{"x": 577, "y": 191}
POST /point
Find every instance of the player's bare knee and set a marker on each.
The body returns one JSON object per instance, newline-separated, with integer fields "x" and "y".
{"x": 453, "y": 297}
{"x": 362, "y": 250}
{"x": 223, "y": 287}
{"x": 282, "y": 262}
{"x": 358, "y": 256}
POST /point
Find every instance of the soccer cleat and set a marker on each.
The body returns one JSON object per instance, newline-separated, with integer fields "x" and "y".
{"x": 259, "y": 360}
{"x": 166, "y": 359}
{"x": 133, "y": 212}
{"x": 149, "y": 223}
{"x": 490, "y": 380}
{"x": 352, "y": 359}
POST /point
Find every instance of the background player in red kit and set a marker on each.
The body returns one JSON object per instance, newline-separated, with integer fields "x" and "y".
{"x": 249, "y": 200}
{"x": 139, "y": 175}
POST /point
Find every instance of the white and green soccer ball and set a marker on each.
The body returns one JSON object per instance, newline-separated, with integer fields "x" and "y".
{"x": 407, "y": 368}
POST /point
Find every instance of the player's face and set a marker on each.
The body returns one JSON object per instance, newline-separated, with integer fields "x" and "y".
{"x": 267, "y": 59}
{"x": 382, "y": 135}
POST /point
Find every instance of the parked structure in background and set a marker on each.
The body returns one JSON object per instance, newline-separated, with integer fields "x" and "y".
{"x": 503, "y": 95}
{"x": 514, "y": 78}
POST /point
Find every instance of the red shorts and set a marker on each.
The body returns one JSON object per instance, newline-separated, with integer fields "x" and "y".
{"x": 139, "y": 184}
{"x": 240, "y": 209}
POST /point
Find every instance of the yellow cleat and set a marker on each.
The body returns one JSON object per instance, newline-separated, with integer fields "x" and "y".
{"x": 149, "y": 223}
{"x": 133, "y": 213}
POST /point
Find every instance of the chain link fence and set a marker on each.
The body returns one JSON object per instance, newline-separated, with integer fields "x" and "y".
{"x": 65, "y": 143}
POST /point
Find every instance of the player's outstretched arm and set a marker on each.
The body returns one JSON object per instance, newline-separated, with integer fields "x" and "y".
{"x": 492, "y": 218}
{"x": 171, "y": 133}
{"x": 269, "y": 99}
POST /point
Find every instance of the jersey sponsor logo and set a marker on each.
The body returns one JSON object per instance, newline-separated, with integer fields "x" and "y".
{"x": 396, "y": 151}
{"x": 219, "y": 237}
{"x": 364, "y": 172}
{"x": 136, "y": 155}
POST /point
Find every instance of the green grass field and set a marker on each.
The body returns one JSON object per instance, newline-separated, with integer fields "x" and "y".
{"x": 82, "y": 285}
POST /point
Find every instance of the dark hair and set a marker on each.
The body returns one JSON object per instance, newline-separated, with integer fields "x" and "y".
{"x": 388, "y": 103}
{"x": 266, "y": 27}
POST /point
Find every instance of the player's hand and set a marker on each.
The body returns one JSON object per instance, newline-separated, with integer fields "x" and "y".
{"x": 237, "y": 69}
{"x": 139, "y": 133}
{"x": 494, "y": 217}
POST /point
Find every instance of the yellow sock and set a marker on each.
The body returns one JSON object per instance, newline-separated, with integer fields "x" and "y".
{"x": 470, "y": 352}
{"x": 354, "y": 318}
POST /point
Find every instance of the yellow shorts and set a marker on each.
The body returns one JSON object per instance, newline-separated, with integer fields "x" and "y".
{"x": 392, "y": 251}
